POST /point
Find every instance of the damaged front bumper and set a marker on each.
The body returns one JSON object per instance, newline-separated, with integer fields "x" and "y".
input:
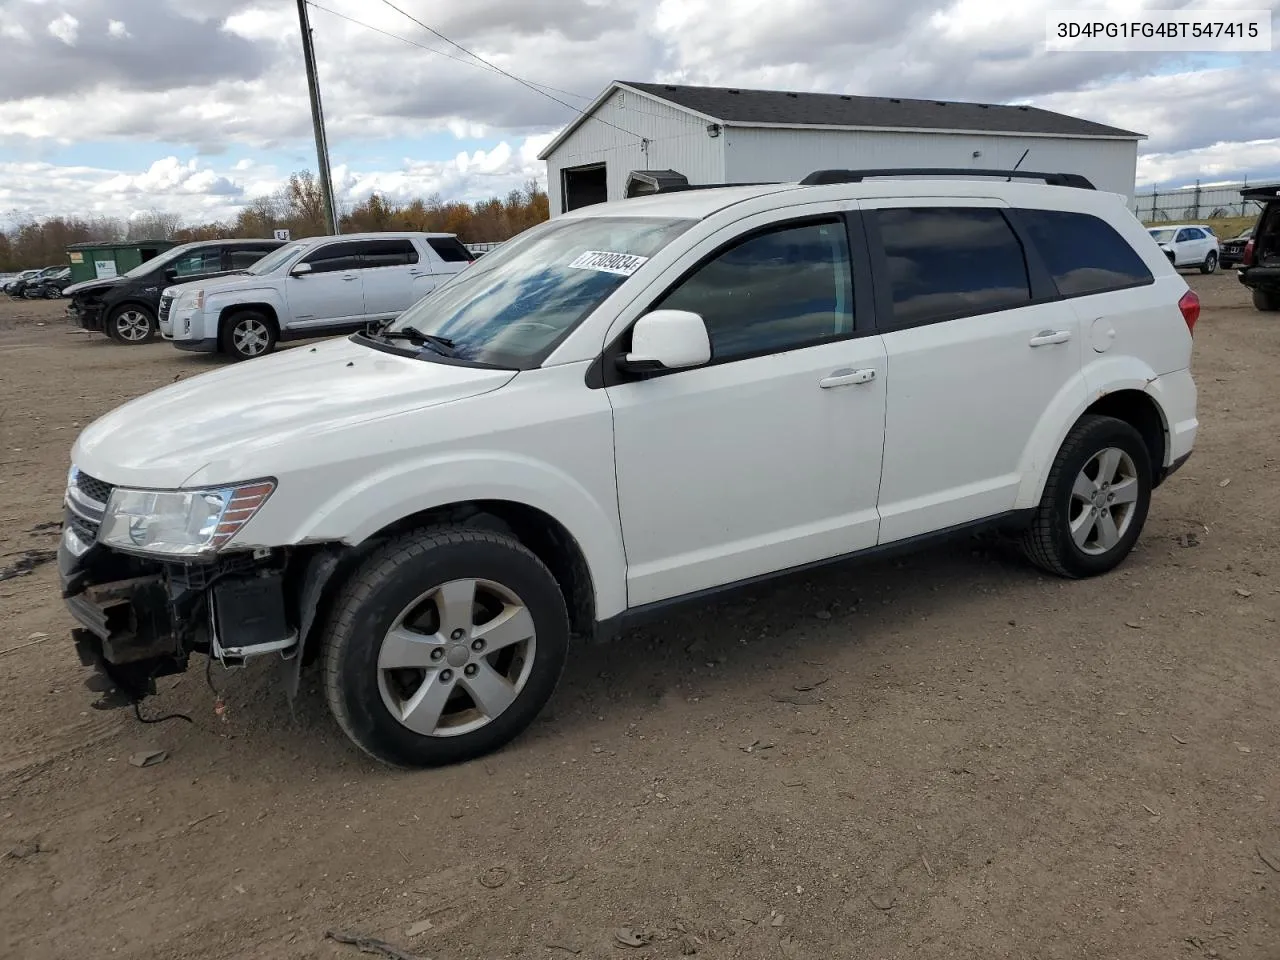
{"x": 140, "y": 619}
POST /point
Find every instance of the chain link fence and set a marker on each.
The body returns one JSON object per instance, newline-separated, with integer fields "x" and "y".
{"x": 1195, "y": 203}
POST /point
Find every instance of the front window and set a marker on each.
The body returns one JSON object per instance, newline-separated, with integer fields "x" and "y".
{"x": 147, "y": 266}
{"x": 1161, "y": 236}
{"x": 281, "y": 255}
{"x": 515, "y": 305}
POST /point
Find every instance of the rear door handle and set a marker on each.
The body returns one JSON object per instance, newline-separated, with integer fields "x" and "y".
{"x": 1046, "y": 337}
{"x": 349, "y": 279}
{"x": 842, "y": 378}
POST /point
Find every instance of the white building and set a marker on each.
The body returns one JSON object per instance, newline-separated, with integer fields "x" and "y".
{"x": 723, "y": 135}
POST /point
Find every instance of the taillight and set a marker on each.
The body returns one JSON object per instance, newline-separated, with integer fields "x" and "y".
{"x": 1190, "y": 307}
{"x": 1247, "y": 257}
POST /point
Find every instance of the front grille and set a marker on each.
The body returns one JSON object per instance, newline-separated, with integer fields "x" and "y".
{"x": 86, "y": 531}
{"x": 166, "y": 304}
{"x": 93, "y": 488}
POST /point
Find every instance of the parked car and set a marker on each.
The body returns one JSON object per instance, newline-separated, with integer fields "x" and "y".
{"x": 1260, "y": 262}
{"x": 19, "y": 287}
{"x": 312, "y": 287}
{"x": 48, "y": 287}
{"x": 1231, "y": 252}
{"x": 636, "y": 404}
{"x": 22, "y": 277}
{"x": 126, "y": 308}
{"x": 1188, "y": 245}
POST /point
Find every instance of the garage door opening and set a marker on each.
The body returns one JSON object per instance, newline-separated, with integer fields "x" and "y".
{"x": 583, "y": 186}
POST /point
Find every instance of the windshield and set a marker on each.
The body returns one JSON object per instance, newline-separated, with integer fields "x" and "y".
{"x": 276, "y": 257}
{"x": 159, "y": 260}
{"x": 1161, "y": 236}
{"x": 511, "y": 308}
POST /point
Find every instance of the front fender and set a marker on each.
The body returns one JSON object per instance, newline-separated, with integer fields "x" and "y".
{"x": 219, "y": 301}
{"x": 1099, "y": 379}
{"x": 373, "y": 502}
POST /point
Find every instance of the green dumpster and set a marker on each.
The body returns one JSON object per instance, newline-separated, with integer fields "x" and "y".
{"x": 101, "y": 261}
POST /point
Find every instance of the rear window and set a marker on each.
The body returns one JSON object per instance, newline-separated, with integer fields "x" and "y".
{"x": 950, "y": 262}
{"x": 388, "y": 253}
{"x": 246, "y": 257}
{"x": 1084, "y": 253}
{"x": 450, "y": 249}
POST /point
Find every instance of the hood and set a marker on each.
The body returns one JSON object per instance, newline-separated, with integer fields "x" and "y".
{"x": 240, "y": 417}
{"x": 93, "y": 286}
{"x": 224, "y": 282}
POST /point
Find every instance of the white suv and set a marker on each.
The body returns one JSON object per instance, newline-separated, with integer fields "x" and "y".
{"x": 1188, "y": 245}
{"x": 634, "y": 404}
{"x": 309, "y": 288}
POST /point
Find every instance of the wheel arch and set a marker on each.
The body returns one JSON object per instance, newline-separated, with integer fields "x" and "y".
{"x": 1129, "y": 398}
{"x": 321, "y": 571}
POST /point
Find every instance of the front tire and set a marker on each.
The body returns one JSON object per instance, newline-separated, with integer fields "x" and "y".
{"x": 443, "y": 646}
{"x": 248, "y": 334}
{"x": 132, "y": 323}
{"x": 1095, "y": 502}
{"x": 1266, "y": 300}
{"x": 1210, "y": 264}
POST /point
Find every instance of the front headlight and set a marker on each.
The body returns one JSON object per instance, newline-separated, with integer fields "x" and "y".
{"x": 190, "y": 300}
{"x": 182, "y": 523}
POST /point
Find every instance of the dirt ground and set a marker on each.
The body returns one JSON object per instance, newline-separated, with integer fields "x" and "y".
{"x": 943, "y": 756}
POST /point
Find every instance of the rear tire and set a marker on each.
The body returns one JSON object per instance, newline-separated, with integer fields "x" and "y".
{"x": 1210, "y": 264}
{"x": 248, "y": 334}
{"x": 408, "y": 673}
{"x": 1267, "y": 300}
{"x": 1095, "y": 501}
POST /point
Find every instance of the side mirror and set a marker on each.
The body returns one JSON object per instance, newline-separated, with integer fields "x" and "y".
{"x": 170, "y": 274}
{"x": 667, "y": 340}
{"x": 300, "y": 269}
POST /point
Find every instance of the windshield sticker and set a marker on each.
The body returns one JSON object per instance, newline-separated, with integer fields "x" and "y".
{"x": 623, "y": 264}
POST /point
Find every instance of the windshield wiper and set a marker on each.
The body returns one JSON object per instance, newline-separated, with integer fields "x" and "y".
{"x": 441, "y": 345}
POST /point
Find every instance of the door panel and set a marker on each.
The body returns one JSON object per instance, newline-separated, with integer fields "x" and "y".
{"x": 753, "y": 464}
{"x": 388, "y": 269}
{"x": 965, "y": 391}
{"x": 332, "y": 293}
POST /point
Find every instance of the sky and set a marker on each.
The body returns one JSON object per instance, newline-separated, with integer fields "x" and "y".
{"x": 119, "y": 107}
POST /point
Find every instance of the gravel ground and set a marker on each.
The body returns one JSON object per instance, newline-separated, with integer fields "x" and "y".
{"x": 939, "y": 756}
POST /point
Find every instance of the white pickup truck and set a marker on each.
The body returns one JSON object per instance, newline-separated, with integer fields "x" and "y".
{"x": 311, "y": 287}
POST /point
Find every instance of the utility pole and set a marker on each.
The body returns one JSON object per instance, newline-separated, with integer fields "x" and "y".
{"x": 317, "y": 119}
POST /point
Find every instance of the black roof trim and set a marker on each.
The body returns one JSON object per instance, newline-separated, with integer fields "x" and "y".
{"x": 743, "y": 106}
{"x": 1269, "y": 191}
{"x": 857, "y": 176}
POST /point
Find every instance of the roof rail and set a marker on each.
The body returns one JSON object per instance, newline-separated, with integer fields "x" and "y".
{"x": 857, "y": 176}
{"x": 1267, "y": 192}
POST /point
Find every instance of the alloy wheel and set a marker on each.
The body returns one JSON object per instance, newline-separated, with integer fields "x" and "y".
{"x": 456, "y": 658}
{"x": 251, "y": 337}
{"x": 1103, "y": 501}
{"x": 133, "y": 326}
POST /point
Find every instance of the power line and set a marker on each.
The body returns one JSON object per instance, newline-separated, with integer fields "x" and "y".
{"x": 505, "y": 73}
{"x": 423, "y": 46}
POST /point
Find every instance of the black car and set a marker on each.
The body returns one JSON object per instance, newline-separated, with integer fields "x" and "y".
{"x": 19, "y": 287}
{"x": 1260, "y": 262}
{"x": 1231, "y": 252}
{"x": 48, "y": 287}
{"x": 125, "y": 308}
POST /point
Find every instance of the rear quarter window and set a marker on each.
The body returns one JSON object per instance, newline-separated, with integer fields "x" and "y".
{"x": 450, "y": 249}
{"x": 1084, "y": 253}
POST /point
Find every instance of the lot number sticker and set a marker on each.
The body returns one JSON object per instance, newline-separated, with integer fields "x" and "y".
{"x": 623, "y": 264}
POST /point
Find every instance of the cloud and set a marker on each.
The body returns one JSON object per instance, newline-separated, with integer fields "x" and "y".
{"x": 222, "y": 77}
{"x": 65, "y": 28}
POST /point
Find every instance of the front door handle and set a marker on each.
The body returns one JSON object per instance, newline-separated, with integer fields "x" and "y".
{"x": 349, "y": 279}
{"x": 1046, "y": 337}
{"x": 841, "y": 378}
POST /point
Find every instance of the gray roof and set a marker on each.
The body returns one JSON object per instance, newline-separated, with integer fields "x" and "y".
{"x": 745, "y": 107}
